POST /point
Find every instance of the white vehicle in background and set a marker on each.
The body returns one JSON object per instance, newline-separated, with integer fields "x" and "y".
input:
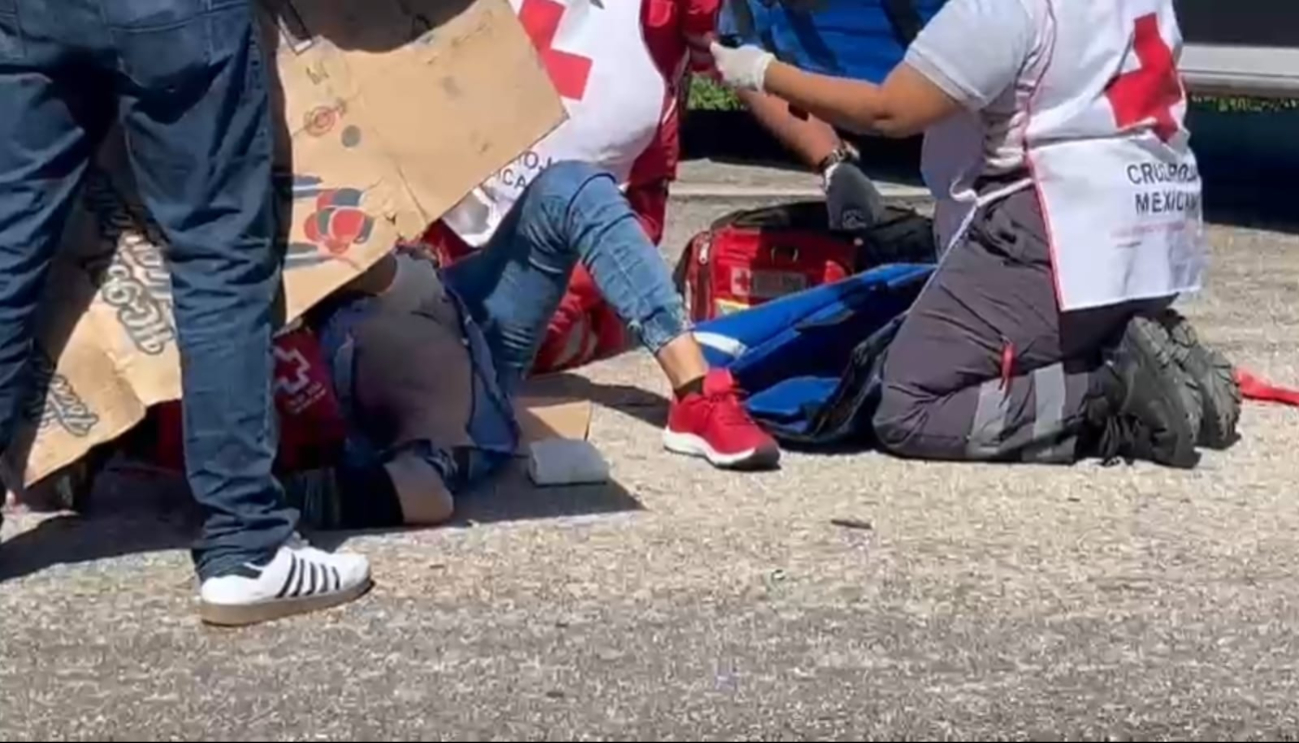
{"x": 1241, "y": 47}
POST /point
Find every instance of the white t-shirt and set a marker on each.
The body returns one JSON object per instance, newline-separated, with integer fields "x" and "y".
{"x": 978, "y": 51}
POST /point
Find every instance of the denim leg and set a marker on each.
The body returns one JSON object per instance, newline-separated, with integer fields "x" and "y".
{"x": 196, "y": 112}
{"x": 51, "y": 116}
{"x": 571, "y": 212}
{"x": 512, "y": 287}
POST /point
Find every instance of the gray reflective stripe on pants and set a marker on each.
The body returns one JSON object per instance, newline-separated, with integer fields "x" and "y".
{"x": 989, "y": 421}
{"x": 1049, "y": 393}
{"x": 988, "y": 432}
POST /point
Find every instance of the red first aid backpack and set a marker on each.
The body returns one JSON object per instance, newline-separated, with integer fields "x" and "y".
{"x": 753, "y": 256}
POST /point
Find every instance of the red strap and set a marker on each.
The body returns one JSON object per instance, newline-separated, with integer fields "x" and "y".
{"x": 1007, "y": 364}
{"x": 1253, "y": 388}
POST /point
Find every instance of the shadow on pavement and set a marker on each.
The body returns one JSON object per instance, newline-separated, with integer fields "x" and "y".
{"x": 138, "y": 512}
{"x": 512, "y": 497}
{"x": 72, "y": 540}
{"x": 131, "y": 511}
{"x": 643, "y": 405}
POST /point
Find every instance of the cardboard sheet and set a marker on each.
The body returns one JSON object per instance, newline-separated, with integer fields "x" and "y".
{"x": 552, "y": 418}
{"x": 392, "y": 111}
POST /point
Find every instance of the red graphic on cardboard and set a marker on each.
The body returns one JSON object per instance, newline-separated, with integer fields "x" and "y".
{"x": 320, "y": 120}
{"x": 339, "y": 222}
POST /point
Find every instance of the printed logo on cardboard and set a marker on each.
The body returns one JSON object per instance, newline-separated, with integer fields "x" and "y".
{"x": 338, "y": 223}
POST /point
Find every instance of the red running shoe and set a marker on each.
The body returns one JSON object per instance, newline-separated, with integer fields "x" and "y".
{"x": 714, "y": 425}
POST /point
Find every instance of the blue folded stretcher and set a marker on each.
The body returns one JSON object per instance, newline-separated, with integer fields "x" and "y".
{"x": 808, "y": 360}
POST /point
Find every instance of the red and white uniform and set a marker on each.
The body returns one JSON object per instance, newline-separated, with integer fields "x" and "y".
{"x": 1096, "y": 120}
{"x": 618, "y": 66}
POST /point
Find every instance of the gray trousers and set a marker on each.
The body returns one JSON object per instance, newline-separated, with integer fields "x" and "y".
{"x": 986, "y": 367}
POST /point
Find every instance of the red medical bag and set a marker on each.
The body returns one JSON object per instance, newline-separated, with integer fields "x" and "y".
{"x": 753, "y": 256}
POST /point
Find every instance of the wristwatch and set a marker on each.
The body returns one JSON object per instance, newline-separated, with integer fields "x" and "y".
{"x": 844, "y": 153}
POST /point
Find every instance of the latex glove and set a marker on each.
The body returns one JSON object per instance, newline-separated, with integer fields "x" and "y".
{"x": 744, "y": 68}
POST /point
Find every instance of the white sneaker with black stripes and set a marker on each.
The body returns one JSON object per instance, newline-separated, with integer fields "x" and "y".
{"x": 299, "y": 579}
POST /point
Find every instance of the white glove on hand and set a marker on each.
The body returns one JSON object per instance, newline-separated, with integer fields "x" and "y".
{"x": 744, "y": 68}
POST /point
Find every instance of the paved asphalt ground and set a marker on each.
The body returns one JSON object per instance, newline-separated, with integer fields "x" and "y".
{"x": 985, "y": 601}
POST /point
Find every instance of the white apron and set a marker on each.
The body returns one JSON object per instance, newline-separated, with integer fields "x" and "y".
{"x": 1107, "y": 151}
{"x": 611, "y": 89}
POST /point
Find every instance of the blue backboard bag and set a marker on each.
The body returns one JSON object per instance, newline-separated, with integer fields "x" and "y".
{"x": 809, "y": 361}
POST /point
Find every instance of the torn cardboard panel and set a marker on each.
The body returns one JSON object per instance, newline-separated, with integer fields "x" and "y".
{"x": 542, "y": 418}
{"x": 432, "y": 80}
{"x": 393, "y": 111}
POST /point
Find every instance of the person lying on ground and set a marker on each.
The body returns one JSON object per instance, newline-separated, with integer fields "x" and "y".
{"x": 1070, "y": 199}
{"x": 426, "y": 361}
{"x": 624, "y": 121}
{"x": 190, "y": 90}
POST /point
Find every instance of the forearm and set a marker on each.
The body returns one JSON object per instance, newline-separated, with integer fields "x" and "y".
{"x": 851, "y": 104}
{"x": 811, "y": 139}
{"x": 906, "y": 103}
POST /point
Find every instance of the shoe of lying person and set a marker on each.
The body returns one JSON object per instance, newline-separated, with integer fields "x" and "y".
{"x": 714, "y": 425}
{"x": 1216, "y": 390}
{"x": 299, "y": 579}
{"x": 1139, "y": 406}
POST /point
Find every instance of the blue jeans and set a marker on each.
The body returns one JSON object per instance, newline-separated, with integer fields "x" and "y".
{"x": 186, "y": 80}
{"x": 571, "y": 213}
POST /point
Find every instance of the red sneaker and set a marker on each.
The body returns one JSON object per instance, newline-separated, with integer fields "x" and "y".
{"x": 714, "y": 425}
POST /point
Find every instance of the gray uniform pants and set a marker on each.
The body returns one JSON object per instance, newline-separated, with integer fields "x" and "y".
{"x": 986, "y": 367}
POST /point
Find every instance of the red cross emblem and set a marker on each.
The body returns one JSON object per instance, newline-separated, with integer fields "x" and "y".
{"x": 569, "y": 72}
{"x": 741, "y": 282}
{"x": 1153, "y": 89}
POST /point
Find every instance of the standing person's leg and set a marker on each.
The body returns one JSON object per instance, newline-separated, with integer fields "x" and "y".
{"x": 985, "y": 367}
{"x": 574, "y": 212}
{"x": 51, "y": 116}
{"x": 196, "y": 111}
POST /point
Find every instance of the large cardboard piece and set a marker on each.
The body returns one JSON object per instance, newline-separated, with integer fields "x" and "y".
{"x": 394, "y": 110}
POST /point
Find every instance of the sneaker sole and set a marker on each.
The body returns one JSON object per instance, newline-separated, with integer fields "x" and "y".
{"x": 693, "y": 446}
{"x": 1216, "y": 377}
{"x": 1150, "y": 340}
{"x": 225, "y": 615}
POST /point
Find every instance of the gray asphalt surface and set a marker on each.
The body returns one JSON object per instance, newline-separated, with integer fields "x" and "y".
{"x": 984, "y": 601}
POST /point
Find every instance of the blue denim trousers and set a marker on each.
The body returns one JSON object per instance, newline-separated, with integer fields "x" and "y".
{"x": 187, "y": 82}
{"x": 572, "y": 213}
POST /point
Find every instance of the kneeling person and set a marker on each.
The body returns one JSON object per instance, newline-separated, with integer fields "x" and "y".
{"x": 1070, "y": 200}
{"x": 425, "y": 361}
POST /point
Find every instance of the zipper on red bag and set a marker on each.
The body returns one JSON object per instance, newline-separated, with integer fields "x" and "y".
{"x": 704, "y": 288}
